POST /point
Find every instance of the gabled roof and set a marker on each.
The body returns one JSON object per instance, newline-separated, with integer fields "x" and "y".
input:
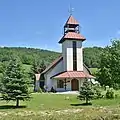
{"x": 72, "y": 74}
{"x": 55, "y": 62}
{"x": 72, "y": 36}
{"x": 71, "y": 21}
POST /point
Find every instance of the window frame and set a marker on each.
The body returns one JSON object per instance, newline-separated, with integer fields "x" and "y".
{"x": 60, "y": 84}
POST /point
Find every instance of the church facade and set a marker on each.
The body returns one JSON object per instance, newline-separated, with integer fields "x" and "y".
{"x": 68, "y": 72}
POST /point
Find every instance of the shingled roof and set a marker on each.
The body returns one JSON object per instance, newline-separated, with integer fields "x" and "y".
{"x": 53, "y": 64}
{"x": 72, "y": 36}
{"x": 72, "y": 74}
{"x": 71, "y": 21}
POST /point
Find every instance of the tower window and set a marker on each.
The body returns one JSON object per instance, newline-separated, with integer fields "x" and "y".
{"x": 74, "y": 56}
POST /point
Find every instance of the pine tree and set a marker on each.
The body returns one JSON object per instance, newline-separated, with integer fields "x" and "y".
{"x": 86, "y": 92}
{"x": 14, "y": 83}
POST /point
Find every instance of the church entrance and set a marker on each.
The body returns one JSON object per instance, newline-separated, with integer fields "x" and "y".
{"x": 75, "y": 85}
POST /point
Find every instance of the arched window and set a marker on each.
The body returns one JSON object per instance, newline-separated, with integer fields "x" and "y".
{"x": 60, "y": 84}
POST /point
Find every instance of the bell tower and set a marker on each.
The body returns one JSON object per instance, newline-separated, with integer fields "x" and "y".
{"x": 72, "y": 46}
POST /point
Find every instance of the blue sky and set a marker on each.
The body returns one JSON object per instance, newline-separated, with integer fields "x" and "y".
{"x": 39, "y": 23}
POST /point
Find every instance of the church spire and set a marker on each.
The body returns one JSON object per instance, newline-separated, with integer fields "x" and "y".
{"x": 71, "y": 21}
{"x": 71, "y": 25}
{"x": 71, "y": 30}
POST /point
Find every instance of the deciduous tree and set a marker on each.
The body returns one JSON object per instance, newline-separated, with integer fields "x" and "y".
{"x": 109, "y": 72}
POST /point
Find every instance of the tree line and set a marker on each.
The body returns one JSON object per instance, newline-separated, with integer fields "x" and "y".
{"x": 30, "y": 55}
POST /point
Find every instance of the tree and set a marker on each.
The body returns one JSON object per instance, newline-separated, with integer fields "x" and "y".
{"x": 91, "y": 56}
{"x": 37, "y": 68}
{"x": 14, "y": 83}
{"x": 109, "y": 72}
{"x": 86, "y": 92}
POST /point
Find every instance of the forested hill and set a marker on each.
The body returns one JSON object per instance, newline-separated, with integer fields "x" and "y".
{"x": 91, "y": 56}
{"x": 29, "y": 55}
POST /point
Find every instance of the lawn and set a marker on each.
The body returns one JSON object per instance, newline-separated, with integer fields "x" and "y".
{"x": 59, "y": 107}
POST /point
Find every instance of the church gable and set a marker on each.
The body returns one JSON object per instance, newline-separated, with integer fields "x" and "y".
{"x": 57, "y": 61}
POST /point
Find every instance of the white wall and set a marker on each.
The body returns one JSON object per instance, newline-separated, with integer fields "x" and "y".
{"x": 79, "y": 56}
{"x": 67, "y": 53}
{"x": 57, "y": 69}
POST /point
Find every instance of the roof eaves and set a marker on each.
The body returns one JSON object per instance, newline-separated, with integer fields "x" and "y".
{"x": 55, "y": 62}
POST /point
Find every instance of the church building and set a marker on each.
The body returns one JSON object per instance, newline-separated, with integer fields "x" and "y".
{"x": 68, "y": 72}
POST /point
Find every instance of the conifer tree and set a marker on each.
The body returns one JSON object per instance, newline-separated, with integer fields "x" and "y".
{"x": 15, "y": 84}
{"x": 86, "y": 92}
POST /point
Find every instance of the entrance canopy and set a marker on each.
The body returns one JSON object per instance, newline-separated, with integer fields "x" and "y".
{"x": 72, "y": 74}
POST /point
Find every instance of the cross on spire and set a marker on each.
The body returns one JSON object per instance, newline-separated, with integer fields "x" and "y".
{"x": 71, "y": 10}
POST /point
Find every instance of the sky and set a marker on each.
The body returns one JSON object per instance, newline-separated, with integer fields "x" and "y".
{"x": 39, "y": 23}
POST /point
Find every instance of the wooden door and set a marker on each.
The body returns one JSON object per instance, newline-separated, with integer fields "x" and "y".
{"x": 75, "y": 85}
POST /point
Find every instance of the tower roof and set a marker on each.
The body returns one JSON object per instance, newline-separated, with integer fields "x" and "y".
{"x": 71, "y": 21}
{"x": 71, "y": 30}
{"x": 72, "y": 36}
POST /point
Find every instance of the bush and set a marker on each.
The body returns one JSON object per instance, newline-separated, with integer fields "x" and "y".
{"x": 116, "y": 86}
{"x": 110, "y": 94}
{"x": 97, "y": 92}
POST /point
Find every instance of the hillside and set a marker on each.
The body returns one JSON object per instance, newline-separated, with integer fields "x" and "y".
{"x": 29, "y": 55}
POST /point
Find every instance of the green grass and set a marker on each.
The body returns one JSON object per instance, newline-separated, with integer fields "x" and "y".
{"x": 57, "y": 107}
{"x": 47, "y": 101}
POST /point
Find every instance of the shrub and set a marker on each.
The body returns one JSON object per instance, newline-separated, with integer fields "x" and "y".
{"x": 110, "y": 94}
{"x": 97, "y": 92}
{"x": 116, "y": 86}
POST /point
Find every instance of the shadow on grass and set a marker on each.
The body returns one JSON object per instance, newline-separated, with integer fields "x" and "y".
{"x": 82, "y": 104}
{"x": 11, "y": 107}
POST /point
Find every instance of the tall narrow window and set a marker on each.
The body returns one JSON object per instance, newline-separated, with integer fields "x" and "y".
{"x": 74, "y": 56}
